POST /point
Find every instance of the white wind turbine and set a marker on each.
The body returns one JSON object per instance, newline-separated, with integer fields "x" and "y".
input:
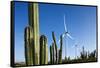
{"x": 65, "y": 35}
{"x": 77, "y": 49}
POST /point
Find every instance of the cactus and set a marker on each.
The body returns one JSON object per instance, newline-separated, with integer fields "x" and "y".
{"x": 28, "y": 49}
{"x": 32, "y": 36}
{"x": 53, "y": 53}
{"x": 54, "y": 39}
{"x": 36, "y": 51}
{"x": 51, "y": 58}
{"x": 56, "y": 55}
{"x": 43, "y": 50}
{"x": 34, "y": 23}
{"x": 60, "y": 51}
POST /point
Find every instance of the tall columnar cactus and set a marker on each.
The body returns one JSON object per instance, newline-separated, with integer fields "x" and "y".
{"x": 54, "y": 39}
{"x": 46, "y": 52}
{"x": 28, "y": 49}
{"x": 60, "y": 51}
{"x": 53, "y": 53}
{"x": 26, "y": 42}
{"x": 43, "y": 50}
{"x": 51, "y": 57}
{"x": 34, "y": 23}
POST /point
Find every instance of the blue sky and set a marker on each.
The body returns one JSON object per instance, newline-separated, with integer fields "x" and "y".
{"x": 80, "y": 21}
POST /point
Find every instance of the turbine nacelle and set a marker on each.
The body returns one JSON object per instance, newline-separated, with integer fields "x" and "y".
{"x": 66, "y": 32}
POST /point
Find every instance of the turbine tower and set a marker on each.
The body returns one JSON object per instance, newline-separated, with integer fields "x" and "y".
{"x": 76, "y": 51}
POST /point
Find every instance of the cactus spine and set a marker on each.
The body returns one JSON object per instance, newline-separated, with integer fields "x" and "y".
{"x": 43, "y": 50}
{"x": 60, "y": 51}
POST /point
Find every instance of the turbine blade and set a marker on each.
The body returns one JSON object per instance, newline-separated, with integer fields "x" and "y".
{"x": 65, "y": 24}
{"x": 58, "y": 41}
{"x": 69, "y": 36}
{"x": 62, "y": 37}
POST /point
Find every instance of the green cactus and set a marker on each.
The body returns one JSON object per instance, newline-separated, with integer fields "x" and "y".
{"x": 51, "y": 61}
{"x": 28, "y": 49}
{"x": 43, "y": 50}
{"x": 60, "y": 51}
{"x": 25, "y": 42}
{"x": 54, "y": 39}
{"x": 34, "y": 23}
{"x": 52, "y": 56}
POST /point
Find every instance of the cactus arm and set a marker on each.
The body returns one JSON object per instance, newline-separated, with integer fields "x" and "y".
{"x": 51, "y": 55}
{"x": 60, "y": 51}
{"x": 54, "y": 39}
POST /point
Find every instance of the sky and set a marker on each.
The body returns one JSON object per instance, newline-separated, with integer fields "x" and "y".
{"x": 80, "y": 22}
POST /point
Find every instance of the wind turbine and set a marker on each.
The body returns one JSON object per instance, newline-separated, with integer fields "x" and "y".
{"x": 65, "y": 35}
{"x": 77, "y": 49}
